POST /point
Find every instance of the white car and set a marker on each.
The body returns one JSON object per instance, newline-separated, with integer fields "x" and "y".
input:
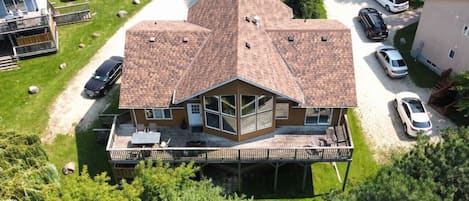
{"x": 413, "y": 114}
{"x": 392, "y": 61}
{"x": 394, "y": 5}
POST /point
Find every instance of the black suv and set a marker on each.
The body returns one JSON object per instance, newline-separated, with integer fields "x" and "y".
{"x": 373, "y": 24}
{"x": 104, "y": 77}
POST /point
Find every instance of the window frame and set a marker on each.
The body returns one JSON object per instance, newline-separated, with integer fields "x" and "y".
{"x": 158, "y": 109}
{"x": 317, "y": 122}
{"x": 220, "y": 114}
{"x": 451, "y": 52}
{"x": 288, "y": 111}
{"x": 256, "y": 112}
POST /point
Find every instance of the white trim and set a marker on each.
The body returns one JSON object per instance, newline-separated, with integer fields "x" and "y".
{"x": 220, "y": 114}
{"x": 231, "y": 80}
{"x": 163, "y": 112}
{"x": 135, "y": 116}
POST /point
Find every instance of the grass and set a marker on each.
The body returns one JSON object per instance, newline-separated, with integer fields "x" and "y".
{"x": 413, "y": 4}
{"x": 421, "y": 75}
{"x": 325, "y": 179}
{"x": 25, "y": 113}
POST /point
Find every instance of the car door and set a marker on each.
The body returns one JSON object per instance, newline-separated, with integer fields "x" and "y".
{"x": 404, "y": 113}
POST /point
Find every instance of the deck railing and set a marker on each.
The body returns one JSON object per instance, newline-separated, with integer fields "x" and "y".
{"x": 229, "y": 154}
{"x": 72, "y": 13}
{"x": 23, "y": 23}
{"x": 35, "y": 48}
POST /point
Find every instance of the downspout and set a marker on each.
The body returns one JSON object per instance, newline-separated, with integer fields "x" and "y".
{"x": 340, "y": 116}
{"x": 135, "y": 117}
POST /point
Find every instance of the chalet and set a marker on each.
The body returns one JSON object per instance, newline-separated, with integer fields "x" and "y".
{"x": 240, "y": 82}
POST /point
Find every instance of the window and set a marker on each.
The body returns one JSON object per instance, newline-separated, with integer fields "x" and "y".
{"x": 158, "y": 114}
{"x": 318, "y": 116}
{"x": 281, "y": 110}
{"x": 220, "y": 113}
{"x": 195, "y": 109}
{"x": 451, "y": 54}
{"x": 256, "y": 113}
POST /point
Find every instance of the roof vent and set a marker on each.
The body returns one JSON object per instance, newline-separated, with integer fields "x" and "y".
{"x": 256, "y": 20}
{"x": 248, "y": 45}
{"x": 185, "y": 39}
{"x": 324, "y": 38}
{"x": 291, "y": 38}
{"x": 152, "y": 39}
{"x": 247, "y": 19}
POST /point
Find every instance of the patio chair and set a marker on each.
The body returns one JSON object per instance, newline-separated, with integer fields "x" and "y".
{"x": 140, "y": 127}
{"x": 153, "y": 127}
{"x": 164, "y": 144}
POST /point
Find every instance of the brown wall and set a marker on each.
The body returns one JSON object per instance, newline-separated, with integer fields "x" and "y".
{"x": 178, "y": 116}
{"x": 296, "y": 116}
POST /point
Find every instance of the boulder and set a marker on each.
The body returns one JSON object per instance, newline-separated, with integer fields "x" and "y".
{"x": 62, "y": 65}
{"x": 95, "y": 35}
{"x": 68, "y": 168}
{"x": 81, "y": 45}
{"x": 33, "y": 89}
{"x": 136, "y": 2}
{"x": 122, "y": 13}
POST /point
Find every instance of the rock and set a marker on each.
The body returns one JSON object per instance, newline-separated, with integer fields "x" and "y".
{"x": 33, "y": 89}
{"x": 81, "y": 45}
{"x": 95, "y": 34}
{"x": 122, "y": 13}
{"x": 68, "y": 168}
{"x": 402, "y": 41}
{"x": 62, "y": 65}
{"x": 136, "y": 2}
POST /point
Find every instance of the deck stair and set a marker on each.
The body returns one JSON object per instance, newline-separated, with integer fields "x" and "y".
{"x": 8, "y": 63}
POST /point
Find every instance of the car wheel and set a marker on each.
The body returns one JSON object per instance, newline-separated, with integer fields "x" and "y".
{"x": 387, "y": 72}
{"x": 405, "y": 128}
{"x": 395, "y": 104}
{"x": 387, "y": 8}
{"x": 105, "y": 92}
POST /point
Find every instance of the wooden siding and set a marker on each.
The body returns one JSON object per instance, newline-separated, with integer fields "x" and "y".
{"x": 37, "y": 38}
{"x": 178, "y": 116}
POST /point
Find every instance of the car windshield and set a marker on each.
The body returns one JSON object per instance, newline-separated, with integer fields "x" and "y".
{"x": 377, "y": 20}
{"x": 100, "y": 77}
{"x": 417, "y": 124}
{"x": 415, "y": 105}
{"x": 401, "y": 1}
{"x": 398, "y": 63}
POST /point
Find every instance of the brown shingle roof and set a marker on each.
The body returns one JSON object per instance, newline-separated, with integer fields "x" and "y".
{"x": 307, "y": 70}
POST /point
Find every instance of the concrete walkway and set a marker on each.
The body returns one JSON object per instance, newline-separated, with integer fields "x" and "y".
{"x": 72, "y": 108}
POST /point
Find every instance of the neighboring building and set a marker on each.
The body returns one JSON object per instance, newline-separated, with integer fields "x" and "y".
{"x": 27, "y": 28}
{"x": 442, "y": 38}
{"x": 253, "y": 84}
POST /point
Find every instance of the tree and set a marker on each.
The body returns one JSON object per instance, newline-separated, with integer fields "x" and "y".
{"x": 162, "y": 183}
{"x": 430, "y": 171}
{"x": 462, "y": 87}
{"x": 24, "y": 167}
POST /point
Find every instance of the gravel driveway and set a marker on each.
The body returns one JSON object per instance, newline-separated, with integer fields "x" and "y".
{"x": 375, "y": 91}
{"x": 72, "y": 108}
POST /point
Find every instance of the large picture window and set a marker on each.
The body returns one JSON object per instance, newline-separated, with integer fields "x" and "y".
{"x": 220, "y": 113}
{"x": 158, "y": 114}
{"x": 256, "y": 113}
{"x": 318, "y": 116}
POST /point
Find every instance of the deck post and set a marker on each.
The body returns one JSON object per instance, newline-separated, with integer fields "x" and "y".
{"x": 239, "y": 176}
{"x": 275, "y": 177}
{"x": 312, "y": 178}
{"x": 346, "y": 175}
{"x": 305, "y": 168}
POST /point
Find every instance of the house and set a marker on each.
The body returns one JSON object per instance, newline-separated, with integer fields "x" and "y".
{"x": 442, "y": 38}
{"x": 27, "y": 28}
{"x": 252, "y": 85}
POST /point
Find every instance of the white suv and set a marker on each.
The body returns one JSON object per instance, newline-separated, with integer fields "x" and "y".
{"x": 394, "y": 5}
{"x": 413, "y": 114}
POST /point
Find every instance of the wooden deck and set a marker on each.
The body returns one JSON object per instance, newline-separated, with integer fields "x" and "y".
{"x": 287, "y": 144}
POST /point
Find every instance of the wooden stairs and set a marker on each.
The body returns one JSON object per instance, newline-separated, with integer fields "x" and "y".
{"x": 8, "y": 63}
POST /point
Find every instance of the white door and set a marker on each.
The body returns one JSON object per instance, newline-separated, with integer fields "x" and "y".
{"x": 194, "y": 113}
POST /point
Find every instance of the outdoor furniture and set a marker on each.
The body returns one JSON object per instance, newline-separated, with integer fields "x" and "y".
{"x": 145, "y": 138}
{"x": 152, "y": 127}
{"x": 140, "y": 127}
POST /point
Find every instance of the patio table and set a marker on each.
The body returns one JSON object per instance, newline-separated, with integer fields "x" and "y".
{"x": 143, "y": 138}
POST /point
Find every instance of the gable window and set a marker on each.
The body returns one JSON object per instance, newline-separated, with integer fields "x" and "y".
{"x": 158, "y": 114}
{"x": 452, "y": 53}
{"x": 281, "y": 110}
{"x": 256, "y": 113}
{"x": 220, "y": 113}
{"x": 318, "y": 116}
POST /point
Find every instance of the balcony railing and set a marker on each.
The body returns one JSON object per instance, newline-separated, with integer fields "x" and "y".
{"x": 23, "y": 23}
{"x": 231, "y": 154}
{"x": 35, "y": 48}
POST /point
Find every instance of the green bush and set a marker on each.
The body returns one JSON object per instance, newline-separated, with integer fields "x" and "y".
{"x": 307, "y": 9}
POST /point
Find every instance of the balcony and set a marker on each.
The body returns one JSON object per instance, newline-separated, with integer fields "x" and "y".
{"x": 23, "y": 23}
{"x": 286, "y": 144}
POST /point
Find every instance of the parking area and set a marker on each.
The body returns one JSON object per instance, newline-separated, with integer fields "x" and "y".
{"x": 376, "y": 91}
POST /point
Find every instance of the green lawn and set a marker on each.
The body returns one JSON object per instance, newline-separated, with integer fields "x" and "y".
{"x": 421, "y": 75}
{"x": 362, "y": 166}
{"x": 26, "y": 113}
